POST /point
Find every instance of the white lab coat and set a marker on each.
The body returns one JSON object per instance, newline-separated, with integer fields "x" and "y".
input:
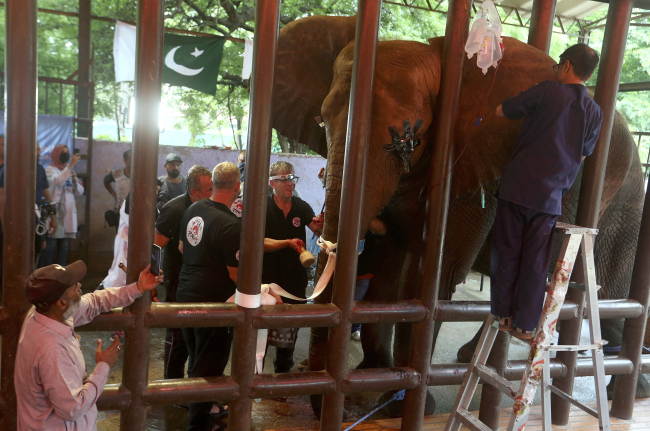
{"x": 116, "y": 276}
{"x": 63, "y": 193}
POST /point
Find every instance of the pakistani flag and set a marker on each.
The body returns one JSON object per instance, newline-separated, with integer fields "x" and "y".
{"x": 188, "y": 61}
{"x": 192, "y": 61}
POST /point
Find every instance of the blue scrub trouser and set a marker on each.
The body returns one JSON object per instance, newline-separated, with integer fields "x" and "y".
{"x": 521, "y": 250}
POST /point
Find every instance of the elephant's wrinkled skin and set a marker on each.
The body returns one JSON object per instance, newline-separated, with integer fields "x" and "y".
{"x": 313, "y": 78}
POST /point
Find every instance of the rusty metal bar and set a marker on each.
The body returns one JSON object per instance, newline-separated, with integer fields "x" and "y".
{"x": 381, "y": 379}
{"x": 116, "y": 320}
{"x": 293, "y": 316}
{"x": 541, "y": 24}
{"x": 352, "y": 193}
{"x": 609, "y": 76}
{"x": 114, "y": 397}
{"x": 438, "y": 204}
{"x": 148, "y": 87}
{"x": 20, "y": 172}
{"x": 83, "y": 59}
{"x": 267, "y": 18}
{"x": 292, "y": 384}
{"x": 190, "y": 315}
{"x": 393, "y": 312}
{"x": 194, "y": 390}
{"x": 453, "y": 374}
{"x": 634, "y": 329}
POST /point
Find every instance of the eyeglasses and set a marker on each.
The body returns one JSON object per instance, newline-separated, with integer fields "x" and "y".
{"x": 283, "y": 178}
{"x": 556, "y": 68}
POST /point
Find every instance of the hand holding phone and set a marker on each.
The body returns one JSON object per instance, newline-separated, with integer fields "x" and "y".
{"x": 156, "y": 254}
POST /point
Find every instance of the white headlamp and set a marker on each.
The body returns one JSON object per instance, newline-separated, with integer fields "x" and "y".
{"x": 283, "y": 178}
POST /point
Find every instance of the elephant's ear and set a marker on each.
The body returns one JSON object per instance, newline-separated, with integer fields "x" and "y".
{"x": 307, "y": 49}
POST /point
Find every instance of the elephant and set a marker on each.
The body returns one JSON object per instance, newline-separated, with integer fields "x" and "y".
{"x": 312, "y": 79}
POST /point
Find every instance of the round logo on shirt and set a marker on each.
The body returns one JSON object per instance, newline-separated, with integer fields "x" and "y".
{"x": 195, "y": 231}
{"x": 296, "y": 221}
{"x": 237, "y": 255}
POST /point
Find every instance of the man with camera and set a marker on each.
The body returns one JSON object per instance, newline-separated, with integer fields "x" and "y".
{"x": 52, "y": 389}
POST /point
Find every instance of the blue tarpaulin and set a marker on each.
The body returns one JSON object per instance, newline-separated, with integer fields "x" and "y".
{"x": 51, "y": 131}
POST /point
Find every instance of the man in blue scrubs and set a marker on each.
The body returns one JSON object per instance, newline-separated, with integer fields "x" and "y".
{"x": 561, "y": 127}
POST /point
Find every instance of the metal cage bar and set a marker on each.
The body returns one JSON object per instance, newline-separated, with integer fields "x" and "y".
{"x": 267, "y": 15}
{"x": 609, "y": 73}
{"x": 148, "y": 88}
{"x": 20, "y": 153}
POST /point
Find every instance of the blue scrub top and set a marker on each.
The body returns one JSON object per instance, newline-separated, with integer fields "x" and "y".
{"x": 41, "y": 182}
{"x": 562, "y": 124}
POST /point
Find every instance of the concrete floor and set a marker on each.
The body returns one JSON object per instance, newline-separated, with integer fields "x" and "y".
{"x": 296, "y": 411}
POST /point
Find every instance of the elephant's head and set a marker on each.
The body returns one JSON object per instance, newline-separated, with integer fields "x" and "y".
{"x": 313, "y": 72}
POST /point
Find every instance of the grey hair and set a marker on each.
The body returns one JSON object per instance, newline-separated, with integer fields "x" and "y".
{"x": 281, "y": 166}
{"x": 225, "y": 175}
{"x": 193, "y": 180}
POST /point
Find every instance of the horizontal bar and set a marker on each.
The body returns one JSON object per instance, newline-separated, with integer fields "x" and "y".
{"x": 631, "y": 86}
{"x": 193, "y": 315}
{"x": 380, "y": 379}
{"x": 82, "y": 120}
{"x": 453, "y": 374}
{"x": 193, "y": 390}
{"x": 60, "y": 81}
{"x": 395, "y": 311}
{"x": 478, "y": 311}
{"x": 297, "y": 316}
{"x": 573, "y": 348}
{"x": 617, "y": 309}
{"x": 114, "y": 397}
{"x": 292, "y": 384}
{"x": 115, "y": 320}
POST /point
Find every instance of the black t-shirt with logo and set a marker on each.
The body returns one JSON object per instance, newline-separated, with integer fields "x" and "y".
{"x": 210, "y": 235}
{"x": 168, "y": 224}
{"x": 283, "y": 266}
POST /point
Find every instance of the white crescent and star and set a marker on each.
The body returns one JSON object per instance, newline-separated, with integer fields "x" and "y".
{"x": 169, "y": 62}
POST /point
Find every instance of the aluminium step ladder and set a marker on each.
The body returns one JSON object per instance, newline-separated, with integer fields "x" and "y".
{"x": 538, "y": 365}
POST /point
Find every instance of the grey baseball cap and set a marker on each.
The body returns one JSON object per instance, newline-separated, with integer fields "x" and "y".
{"x": 46, "y": 285}
{"x": 173, "y": 157}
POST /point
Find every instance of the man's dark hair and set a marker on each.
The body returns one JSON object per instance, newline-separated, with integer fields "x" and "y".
{"x": 193, "y": 179}
{"x": 126, "y": 154}
{"x": 583, "y": 59}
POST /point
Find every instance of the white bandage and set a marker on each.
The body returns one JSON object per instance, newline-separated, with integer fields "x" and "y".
{"x": 247, "y": 301}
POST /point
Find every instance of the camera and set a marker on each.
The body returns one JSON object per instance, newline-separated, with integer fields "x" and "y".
{"x": 47, "y": 209}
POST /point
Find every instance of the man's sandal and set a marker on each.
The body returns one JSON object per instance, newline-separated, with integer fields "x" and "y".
{"x": 218, "y": 410}
{"x": 505, "y": 324}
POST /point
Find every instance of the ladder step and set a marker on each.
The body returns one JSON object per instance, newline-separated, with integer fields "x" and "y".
{"x": 575, "y": 348}
{"x": 492, "y": 378}
{"x": 471, "y": 421}
{"x": 560, "y": 393}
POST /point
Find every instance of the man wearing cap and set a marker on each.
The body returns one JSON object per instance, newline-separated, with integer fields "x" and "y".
{"x": 52, "y": 389}
{"x": 173, "y": 182}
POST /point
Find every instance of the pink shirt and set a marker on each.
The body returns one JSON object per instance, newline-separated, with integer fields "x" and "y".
{"x": 52, "y": 390}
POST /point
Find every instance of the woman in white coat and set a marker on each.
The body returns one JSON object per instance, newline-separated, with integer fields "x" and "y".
{"x": 64, "y": 185}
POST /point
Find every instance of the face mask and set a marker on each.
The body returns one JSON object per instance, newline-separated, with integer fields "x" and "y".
{"x": 64, "y": 157}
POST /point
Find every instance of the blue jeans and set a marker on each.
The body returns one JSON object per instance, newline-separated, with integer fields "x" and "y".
{"x": 359, "y": 292}
{"x": 62, "y": 244}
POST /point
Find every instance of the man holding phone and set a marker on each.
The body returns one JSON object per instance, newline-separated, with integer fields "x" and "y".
{"x": 52, "y": 390}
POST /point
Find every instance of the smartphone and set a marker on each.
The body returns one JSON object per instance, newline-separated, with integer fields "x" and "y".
{"x": 156, "y": 254}
{"x": 75, "y": 151}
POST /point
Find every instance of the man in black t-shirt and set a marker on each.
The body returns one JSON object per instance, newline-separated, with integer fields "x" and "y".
{"x": 209, "y": 241}
{"x": 286, "y": 217}
{"x": 168, "y": 225}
